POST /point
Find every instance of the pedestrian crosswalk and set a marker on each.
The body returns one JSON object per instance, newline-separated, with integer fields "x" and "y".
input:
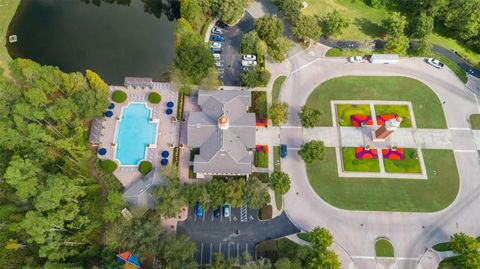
{"x": 243, "y": 213}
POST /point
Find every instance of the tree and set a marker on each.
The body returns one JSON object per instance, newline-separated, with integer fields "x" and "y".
{"x": 248, "y": 43}
{"x": 256, "y": 196}
{"x": 278, "y": 113}
{"x": 190, "y": 10}
{"x": 229, "y": 11}
{"x": 216, "y": 189}
{"x": 286, "y": 263}
{"x": 269, "y": 28}
{"x": 397, "y": 44}
{"x": 462, "y": 18}
{"x": 306, "y": 29}
{"x": 395, "y": 24}
{"x": 421, "y": 26}
{"x": 310, "y": 117}
{"x": 23, "y": 175}
{"x": 145, "y": 167}
{"x": 280, "y": 182}
{"x": 177, "y": 252}
{"x": 154, "y": 98}
{"x": 290, "y": 8}
{"x": 467, "y": 249}
{"x": 119, "y": 96}
{"x": 211, "y": 82}
{"x": 320, "y": 238}
{"x": 193, "y": 60}
{"x": 311, "y": 151}
{"x": 219, "y": 262}
{"x": 333, "y": 23}
{"x": 253, "y": 77}
{"x": 108, "y": 165}
{"x": 143, "y": 234}
{"x": 234, "y": 192}
{"x": 170, "y": 199}
{"x": 170, "y": 172}
{"x": 279, "y": 49}
{"x": 322, "y": 257}
{"x": 421, "y": 48}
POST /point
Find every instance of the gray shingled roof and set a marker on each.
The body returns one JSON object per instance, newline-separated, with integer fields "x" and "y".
{"x": 139, "y": 193}
{"x": 222, "y": 151}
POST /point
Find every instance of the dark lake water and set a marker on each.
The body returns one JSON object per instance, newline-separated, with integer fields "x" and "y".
{"x": 115, "y": 38}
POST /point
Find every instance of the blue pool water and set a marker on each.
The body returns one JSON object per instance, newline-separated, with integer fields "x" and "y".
{"x": 134, "y": 133}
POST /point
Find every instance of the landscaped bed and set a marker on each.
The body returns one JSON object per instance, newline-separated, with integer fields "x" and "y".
{"x": 345, "y": 111}
{"x": 383, "y": 248}
{"x": 399, "y": 110}
{"x": 404, "y": 195}
{"x": 353, "y": 164}
{"x": 259, "y": 107}
{"x": 276, "y": 159}
{"x": 277, "y": 86}
{"x": 410, "y": 163}
{"x": 426, "y": 105}
{"x": 475, "y": 121}
{"x": 261, "y": 156}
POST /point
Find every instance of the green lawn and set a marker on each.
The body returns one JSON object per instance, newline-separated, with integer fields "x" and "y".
{"x": 410, "y": 164}
{"x": 405, "y": 195}
{"x": 461, "y": 74}
{"x": 475, "y": 121}
{"x": 445, "y": 246}
{"x": 8, "y": 8}
{"x": 383, "y": 248}
{"x": 277, "y": 166}
{"x": 426, "y": 105}
{"x": 277, "y": 86}
{"x": 352, "y": 164}
{"x": 336, "y": 52}
{"x": 261, "y": 159}
{"x": 344, "y": 111}
{"x": 365, "y": 21}
{"x": 454, "y": 45}
{"x": 401, "y": 110}
{"x": 278, "y": 200}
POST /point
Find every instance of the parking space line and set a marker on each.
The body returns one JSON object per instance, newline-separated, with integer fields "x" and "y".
{"x": 211, "y": 245}
{"x": 204, "y": 217}
{"x": 212, "y": 216}
{"x": 238, "y": 250}
{"x": 228, "y": 255}
{"x": 195, "y": 217}
{"x": 246, "y": 247}
{"x": 201, "y": 254}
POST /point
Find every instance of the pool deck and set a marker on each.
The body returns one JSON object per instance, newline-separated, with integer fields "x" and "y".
{"x": 167, "y": 130}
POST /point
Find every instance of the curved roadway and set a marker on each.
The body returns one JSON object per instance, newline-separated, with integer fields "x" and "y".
{"x": 356, "y": 231}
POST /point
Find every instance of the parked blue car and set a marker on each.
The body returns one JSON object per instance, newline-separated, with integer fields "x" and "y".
{"x": 283, "y": 150}
{"x": 219, "y": 38}
{"x": 199, "y": 209}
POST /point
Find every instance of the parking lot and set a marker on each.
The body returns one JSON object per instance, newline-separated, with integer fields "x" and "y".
{"x": 232, "y": 236}
{"x": 231, "y": 57}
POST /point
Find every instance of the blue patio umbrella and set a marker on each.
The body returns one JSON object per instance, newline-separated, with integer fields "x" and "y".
{"x": 108, "y": 114}
{"x": 102, "y": 151}
{"x": 170, "y": 104}
{"x": 169, "y": 111}
{"x": 111, "y": 106}
{"x": 164, "y": 162}
{"x": 165, "y": 154}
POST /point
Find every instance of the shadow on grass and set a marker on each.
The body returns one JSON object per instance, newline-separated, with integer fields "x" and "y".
{"x": 368, "y": 27}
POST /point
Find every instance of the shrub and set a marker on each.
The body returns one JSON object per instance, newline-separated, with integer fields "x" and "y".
{"x": 310, "y": 117}
{"x": 154, "y": 98}
{"x": 145, "y": 167}
{"x": 313, "y": 150}
{"x": 119, "y": 96}
{"x": 108, "y": 165}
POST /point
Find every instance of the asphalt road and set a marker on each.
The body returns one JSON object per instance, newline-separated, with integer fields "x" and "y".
{"x": 232, "y": 236}
{"x": 356, "y": 231}
{"x": 231, "y": 50}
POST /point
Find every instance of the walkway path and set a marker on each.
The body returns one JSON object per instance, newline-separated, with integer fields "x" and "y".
{"x": 411, "y": 233}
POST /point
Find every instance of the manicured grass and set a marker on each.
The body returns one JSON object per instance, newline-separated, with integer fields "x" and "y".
{"x": 410, "y": 164}
{"x": 352, "y": 164}
{"x": 261, "y": 159}
{"x": 365, "y": 21}
{"x": 278, "y": 200}
{"x": 277, "y": 86}
{"x": 8, "y": 8}
{"x": 475, "y": 121}
{"x": 404, "y": 195}
{"x": 277, "y": 166}
{"x": 259, "y": 104}
{"x": 461, "y": 74}
{"x": 344, "y": 111}
{"x": 401, "y": 110}
{"x": 426, "y": 105}
{"x": 336, "y": 52}
{"x": 444, "y": 246}
{"x": 304, "y": 236}
{"x": 383, "y": 248}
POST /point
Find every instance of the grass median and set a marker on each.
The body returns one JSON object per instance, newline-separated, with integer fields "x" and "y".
{"x": 8, "y": 8}
{"x": 426, "y": 105}
{"x": 374, "y": 194}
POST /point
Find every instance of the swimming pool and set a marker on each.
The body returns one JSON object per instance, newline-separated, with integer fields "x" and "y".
{"x": 134, "y": 132}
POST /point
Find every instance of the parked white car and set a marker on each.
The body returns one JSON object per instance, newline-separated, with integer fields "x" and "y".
{"x": 435, "y": 63}
{"x": 249, "y": 57}
{"x": 217, "y": 56}
{"x": 219, "y": 63}
{"x": 248, "y": 63}
{"x": 216, "y": 45}
{"x": 221, "y": 70}
{"x": 356, "y": 59}
{"x": 217, "y": 30}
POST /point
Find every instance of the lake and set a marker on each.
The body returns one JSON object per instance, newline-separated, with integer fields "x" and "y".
{"x": 115, "y": 38}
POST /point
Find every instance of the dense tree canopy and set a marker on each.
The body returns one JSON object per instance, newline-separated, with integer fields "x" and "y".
{"x": 229, "y": 11}
{"x": 333, "y": 23}
{"x": 467, "y": 248}
{"x": 306, "y": 29}
{"x": 395, "y": 24}
{"x": 290, "y": 8}
{"x": 280, "y": 182}
{"x": 312, "y": 150}
{"x": 310, "y": 117}
{"x": 278, "y": 113}
{"x": 253, "y": 77}
{"x": 269, "y": 28}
